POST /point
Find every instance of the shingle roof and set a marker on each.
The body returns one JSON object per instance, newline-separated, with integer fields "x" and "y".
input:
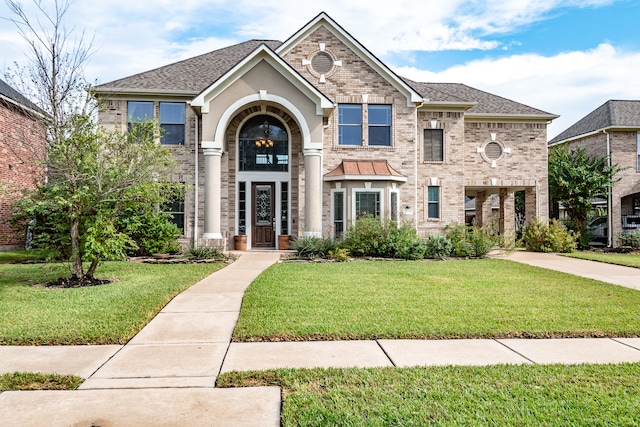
{"x": 613, "y": 113}
{"x": 194, "y": 75}
{"x": 487, "y": 103}
{"x": 190, "y": 75}
{"x": 7, "y": 91}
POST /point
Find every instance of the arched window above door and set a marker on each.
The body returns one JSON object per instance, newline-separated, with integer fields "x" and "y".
{"x": 263, "y": 145}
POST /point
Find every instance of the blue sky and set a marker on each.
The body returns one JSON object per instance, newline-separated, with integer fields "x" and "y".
{"x": 565, "y": 57}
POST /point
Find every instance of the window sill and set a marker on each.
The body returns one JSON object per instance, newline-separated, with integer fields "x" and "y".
{"x": 363, "y": 147}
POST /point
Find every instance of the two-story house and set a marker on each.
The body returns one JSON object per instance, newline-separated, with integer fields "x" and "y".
{"x": 613, "y": 130}
{"x": 302, "y": 137}
{"x": 22, "y": 153}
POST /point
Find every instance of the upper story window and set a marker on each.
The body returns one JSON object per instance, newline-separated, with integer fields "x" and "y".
{"x": 379, "y": 125}
{"x": 638, "y": 151}
{"x": 139, "y": 111}
{"x": 350, "y": 124}
{"x": 433, "y": 150}
{"x": 172, "y": 122}
{"x": 263, "y": 145}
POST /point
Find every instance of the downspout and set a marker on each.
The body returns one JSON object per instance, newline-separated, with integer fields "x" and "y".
{"x": 195, "y": 190}
{"x": 609, "y": 196}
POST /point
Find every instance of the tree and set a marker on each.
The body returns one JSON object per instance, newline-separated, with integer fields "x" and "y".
{"x": 575, "y": 179}
{"x": 93, "y": 174}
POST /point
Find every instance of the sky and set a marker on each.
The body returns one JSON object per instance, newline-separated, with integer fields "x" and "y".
{"x": 564, "y": 57}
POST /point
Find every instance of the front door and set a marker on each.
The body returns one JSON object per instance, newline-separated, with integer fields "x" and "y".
{"x": 264, "y": 222}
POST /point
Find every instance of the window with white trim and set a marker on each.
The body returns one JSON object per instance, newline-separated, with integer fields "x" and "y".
{"x": 338, "y": 213}
{"x": 433, "y": 202}
{"x": 350, "y": 124}
{"x": 367, "y": 203}
{"x": 394, "y": 206}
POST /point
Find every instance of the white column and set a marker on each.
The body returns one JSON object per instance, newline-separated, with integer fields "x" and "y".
{"x": 313, "y": 192}
{"x": 212, "y": 193}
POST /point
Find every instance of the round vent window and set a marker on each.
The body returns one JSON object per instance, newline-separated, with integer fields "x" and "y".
{"x": 493, "y": 150}
{"x": 322, "y": 63}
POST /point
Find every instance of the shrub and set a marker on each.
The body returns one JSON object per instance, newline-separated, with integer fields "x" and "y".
{"x": 631, "y": 240}
{"x": 371, "y": 236}
{"x": 339, "y": 254}
{"x": 554, "y": 237}
{"x": 152, "y": 232}
{"x": 470, "y": 241}
{"x": 437, "y": 246}
{"x": 314, "y": 247}
{"x": 204, "y": 252}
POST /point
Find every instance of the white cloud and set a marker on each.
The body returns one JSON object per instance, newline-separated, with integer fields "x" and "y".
{"x": 571, "y": 84}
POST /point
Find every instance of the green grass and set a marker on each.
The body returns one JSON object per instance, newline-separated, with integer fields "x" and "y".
{"x": 106, "y": 314}
{"x": 628, "y": 260}
{"x": 486, "y": 298}
{"x": 20, "y": 256}
{"x": 29, "y": 381}
{"x": 549, "y": 395}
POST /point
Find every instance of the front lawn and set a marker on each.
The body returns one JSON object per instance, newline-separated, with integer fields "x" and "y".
{"x": 541, "y": 395}
{"x": 485, "y": 298}
{"x": 628, "y": 260}
{"x": 105, "y": 314}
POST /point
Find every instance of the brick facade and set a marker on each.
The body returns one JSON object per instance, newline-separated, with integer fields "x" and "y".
{"x": 22, "y": 149}
{"x": 293, "y": 94}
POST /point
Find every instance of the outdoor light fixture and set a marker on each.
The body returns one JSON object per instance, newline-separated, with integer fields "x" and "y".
{"x": 265, "y": 142}
{"x": 434, "y": 123}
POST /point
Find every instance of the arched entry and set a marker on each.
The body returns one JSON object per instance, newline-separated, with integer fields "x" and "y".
{"x": 263, "y": 179}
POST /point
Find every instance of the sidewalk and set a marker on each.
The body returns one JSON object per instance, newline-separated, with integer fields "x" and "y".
{"x": 167, "y": 372}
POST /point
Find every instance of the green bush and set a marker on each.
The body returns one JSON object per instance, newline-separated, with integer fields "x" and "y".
{"x": 554, "y": 237}
{"x": 152, "y": 232}
{"x": 314, "y": 247}
{"x": 371, "y": 236}
{"x": 470, "y": 241}
{"x": 631, "y": 240}
{"x": 204, "y": 252}
{"x": 437, "y": 246}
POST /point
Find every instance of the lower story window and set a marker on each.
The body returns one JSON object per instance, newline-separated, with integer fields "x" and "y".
{"x": 338, "y": 213}
{"x": 175, "y": 209}
{"x": 433, "y": 202}
{"x": 367, "y": 203}
{"x": 394, "y": 206}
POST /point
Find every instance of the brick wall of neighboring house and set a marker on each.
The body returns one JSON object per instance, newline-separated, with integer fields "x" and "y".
{"x": 22, "y": 150}
{"x": 624, "y": 153}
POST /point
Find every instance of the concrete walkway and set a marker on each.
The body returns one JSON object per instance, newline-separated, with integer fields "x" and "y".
{"x": 166, "y": 374}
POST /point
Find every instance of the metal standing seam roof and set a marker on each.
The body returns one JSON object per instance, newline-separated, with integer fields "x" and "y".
{"x": 613, "y": 113}
{"x": 368, "y": 168}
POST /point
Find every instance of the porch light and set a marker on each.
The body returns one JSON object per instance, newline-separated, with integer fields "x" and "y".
{"x": 434, "y": 124}
{"x": 265, "y": 142}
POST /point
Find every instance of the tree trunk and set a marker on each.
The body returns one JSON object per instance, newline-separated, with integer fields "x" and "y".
{"x": 92, "y": 268}
{"x": 76, "y": 258}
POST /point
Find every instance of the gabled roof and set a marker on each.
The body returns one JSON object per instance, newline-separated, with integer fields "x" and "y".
{"x": 11, "y": 95}
{"x": 484, "y": 103}
{"x": 364, "y": 170}
{"x": 323, "y": 20}
{"x": 611, "y": 114}
{"x": 262, "y": 53}
{"x": 190, "y": 76}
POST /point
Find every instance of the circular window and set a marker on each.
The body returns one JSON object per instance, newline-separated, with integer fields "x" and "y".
{"x": 322, "y": 62}
{"x": 493, "y": 150}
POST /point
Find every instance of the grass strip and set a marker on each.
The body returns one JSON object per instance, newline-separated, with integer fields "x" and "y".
{"x": 105, "y": 314}
{"x": 549, "y": 395}
{"x": 627, "y": 260}
{"x": 18, "y": 381}
{"x": 487, "y": 298}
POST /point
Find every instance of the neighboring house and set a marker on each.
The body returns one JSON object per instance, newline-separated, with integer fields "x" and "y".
{"x": 612, "y": 129}
{"x": 302, "y": 137}
{"x": 22, "y": 152}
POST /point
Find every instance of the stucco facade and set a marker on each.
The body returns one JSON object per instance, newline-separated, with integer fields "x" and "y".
{"x": 343, "y": 135}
